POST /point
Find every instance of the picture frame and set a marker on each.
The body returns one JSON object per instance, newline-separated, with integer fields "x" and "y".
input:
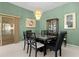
{"x": 70, "y": 21}
{"x": 31, "y": 23}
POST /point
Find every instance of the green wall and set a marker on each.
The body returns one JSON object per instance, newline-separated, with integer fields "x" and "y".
{"x": 59, "y": 12}
{"x": 11, "y": 9}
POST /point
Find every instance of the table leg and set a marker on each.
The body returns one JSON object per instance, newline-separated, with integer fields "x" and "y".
{"x": 45, "y": 48}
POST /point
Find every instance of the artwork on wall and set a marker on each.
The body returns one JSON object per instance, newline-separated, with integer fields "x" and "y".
{"x": 70, "y": 21}
{"x": 30, "y": 23}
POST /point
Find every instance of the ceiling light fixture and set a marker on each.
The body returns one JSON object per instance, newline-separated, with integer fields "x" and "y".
{"x": 38, "y": 14}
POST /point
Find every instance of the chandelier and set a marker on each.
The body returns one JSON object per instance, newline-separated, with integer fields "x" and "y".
{"x": 38, "y": 14}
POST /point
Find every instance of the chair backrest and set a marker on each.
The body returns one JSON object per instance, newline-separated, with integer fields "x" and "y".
{"x": 43, "y": 32}
{"x": 49, "y": 32}
{"x": 24, "y": 35}
{"x": 28, "y": 33}
{"x": 60, "y": 39}
{"x": 65, "y": 32}
{"x": 33, "y": 39}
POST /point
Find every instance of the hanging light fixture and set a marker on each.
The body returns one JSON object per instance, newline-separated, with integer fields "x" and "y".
{"x": 38, "y": 14}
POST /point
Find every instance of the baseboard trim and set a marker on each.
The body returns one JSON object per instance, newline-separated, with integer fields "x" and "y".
{"x": 73, "y": 45}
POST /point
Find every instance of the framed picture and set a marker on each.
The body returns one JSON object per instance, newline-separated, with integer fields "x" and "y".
{"x": 70, "y": 21}
{"x": 30, "y": 23}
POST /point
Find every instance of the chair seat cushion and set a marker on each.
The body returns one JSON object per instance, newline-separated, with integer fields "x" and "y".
{"x": 39, "y": 45}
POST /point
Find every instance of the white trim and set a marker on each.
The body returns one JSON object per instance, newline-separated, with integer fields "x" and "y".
{"x": 0, "y": 30}
{"x": 73, "y": 45}
{"x": 8, "y": 15}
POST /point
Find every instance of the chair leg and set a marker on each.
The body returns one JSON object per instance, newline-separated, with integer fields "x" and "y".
{"x": 55, "y": 53}
{"x": 60, "y": 51}
{"x": 27, "y": 47}
{"x": 30, "y": 51}
{"x": 45, "y": 49}
{"x": 65, "y": 43}
{"x": 24, "y": 44}
{"x": 36, "y": 53}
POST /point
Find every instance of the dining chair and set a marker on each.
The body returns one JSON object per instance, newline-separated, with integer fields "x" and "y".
{"x": 34, "y": 44}
{"x": 57, "y": 46}
{"x": 26, "y": 35}
{"x": 43, "y": 32}
{"x": 65, "y": 38}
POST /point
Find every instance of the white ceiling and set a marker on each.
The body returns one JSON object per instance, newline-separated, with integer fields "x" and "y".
{"x": 44, "y": 6}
